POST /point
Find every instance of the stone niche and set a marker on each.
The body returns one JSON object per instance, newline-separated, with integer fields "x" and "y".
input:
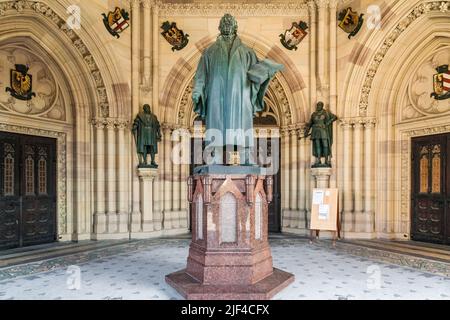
{"x": 229, "y": 256}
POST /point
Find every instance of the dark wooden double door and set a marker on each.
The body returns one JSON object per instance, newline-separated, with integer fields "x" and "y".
{"x": 430, "y": 198}
{"x": 27, "y": 190}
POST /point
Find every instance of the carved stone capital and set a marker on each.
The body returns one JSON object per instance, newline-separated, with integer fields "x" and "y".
{"x": 322, "y": 4}
{"x": 147, "y": 4}
{"x": 418, "y": 11}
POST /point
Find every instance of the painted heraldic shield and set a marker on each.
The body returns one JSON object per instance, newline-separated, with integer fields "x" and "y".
{"x": 21, "y": 83}
{"x": 350, "y": 22}
{"x": 293, "y": 36}
{"x": 176, "y": 37}
{"x": 441, "y": 83}
{"x": 117, "y": 21}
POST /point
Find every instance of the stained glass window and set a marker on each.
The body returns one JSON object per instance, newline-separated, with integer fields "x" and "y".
{"x": 424, "y": 166}
{"x": 8, "y": 174}
{"x": 436, "y": 170}
{"x": 42, "y": 174}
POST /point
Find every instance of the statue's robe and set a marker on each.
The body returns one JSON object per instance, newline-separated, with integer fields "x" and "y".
{"x": 147, "y": 132}
{"x": 229, "y": 95}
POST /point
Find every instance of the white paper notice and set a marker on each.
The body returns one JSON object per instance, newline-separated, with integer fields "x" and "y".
{"x": 327, "y": 193}
{"x": 324, "y": 211}
{"x": 318, "y": 197}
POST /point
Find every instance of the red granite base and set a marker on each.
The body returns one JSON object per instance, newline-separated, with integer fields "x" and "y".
{"x": 265, "y": 289}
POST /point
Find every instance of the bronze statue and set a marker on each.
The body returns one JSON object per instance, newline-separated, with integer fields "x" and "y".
{"x": 321, "y": 126}
{"x": 230, "y": 84}
{"x": 147, "y": 132}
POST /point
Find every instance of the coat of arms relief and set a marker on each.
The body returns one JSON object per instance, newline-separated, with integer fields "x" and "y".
{"x": 427, "y": 92}
{"x": 28, "y": 86}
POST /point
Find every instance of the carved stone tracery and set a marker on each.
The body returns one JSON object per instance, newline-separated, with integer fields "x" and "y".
{"x": 12, "y": 7}
{"x": 417, "y": 12}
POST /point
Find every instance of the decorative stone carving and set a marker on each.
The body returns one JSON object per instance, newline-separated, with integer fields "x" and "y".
{"x": 48, "y": 101}
{"x": 420, "y": 103}
{"x": 417, "y": 12}
{"x": 297, "y": 8}
{"x": 110, "y": 123}
{"x": 12, "y": 7}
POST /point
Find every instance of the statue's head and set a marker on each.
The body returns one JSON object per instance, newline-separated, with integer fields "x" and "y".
{"x": 228, "y": 25}
{"x": 147, "y": 108}
{"x": 319, "y": 106}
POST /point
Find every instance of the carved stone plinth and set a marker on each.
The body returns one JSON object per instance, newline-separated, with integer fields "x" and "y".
{"x": 144, "y": 221}
{"x": 322, "y": 177}
{"x": 229, "y": 256}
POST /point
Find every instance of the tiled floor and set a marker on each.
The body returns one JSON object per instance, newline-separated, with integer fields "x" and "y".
{"x": 136, "y": 271}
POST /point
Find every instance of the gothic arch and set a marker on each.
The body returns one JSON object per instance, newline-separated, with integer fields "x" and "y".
{"x": 418, "y": 17}
{"x": 37, "y": 26}
{"x": 45, "y": 23}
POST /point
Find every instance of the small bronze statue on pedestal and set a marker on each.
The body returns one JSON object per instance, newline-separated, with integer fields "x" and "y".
{"x": 147, "y": 133}
{"x": 321, "y": 126}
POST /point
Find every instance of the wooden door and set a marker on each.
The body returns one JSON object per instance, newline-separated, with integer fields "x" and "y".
{"x": 430, "y": 203}
{"x": 27, "y": 190}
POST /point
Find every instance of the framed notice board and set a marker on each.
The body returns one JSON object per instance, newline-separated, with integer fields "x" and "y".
{"x": 324, "y": 210}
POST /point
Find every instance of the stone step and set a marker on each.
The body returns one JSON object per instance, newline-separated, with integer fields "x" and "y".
{"x": 424, "y": 257}
{"x": 23, "y": 255}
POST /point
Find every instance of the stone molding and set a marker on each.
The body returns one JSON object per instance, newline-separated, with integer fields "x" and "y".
{"x": 22, "y": 6}
{"x": 417, "y": 12}
{"x": 110, "y": 123}
{"x": 347, "y": 123}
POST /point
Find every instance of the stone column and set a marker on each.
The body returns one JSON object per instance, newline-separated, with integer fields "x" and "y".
{"x": 347, "y": 212}
{"x": 333, "y": 74}
{"x": 122, "y": 181}
{"x": 168, "y": 178}
{"x": 176, "y": 170}
{"x": 111, "y": 176}
{"x": 185, "y": 141}
{"x": 357, "y": 176}
{"x": 312, "y": 53}
{"x": 100, "y": 212}
{"x": 293, "y": 170}
{"x": 155, "y": 55}
{"x": 322, "y": 42}
{"x": 135, "y": 97}
{"x": 148, "y": 34}
{"x": 147, "y": 191}
{"x": 368, "y": 176}
{"x": 302, "y": 179}
{"x": 285, "y": 192}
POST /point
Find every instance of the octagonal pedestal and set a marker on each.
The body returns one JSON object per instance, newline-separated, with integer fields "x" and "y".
{"x": 229, "y": 255}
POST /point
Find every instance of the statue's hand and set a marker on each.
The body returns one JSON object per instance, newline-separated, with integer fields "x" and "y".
{"x": 196, "y": 97}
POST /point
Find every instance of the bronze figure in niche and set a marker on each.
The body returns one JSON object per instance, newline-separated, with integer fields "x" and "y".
{"x": 147, "y": 133}
{"x": 320, "y": 128}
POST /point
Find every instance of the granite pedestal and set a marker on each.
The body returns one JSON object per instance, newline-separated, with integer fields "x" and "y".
{"x": 229, "y": 255}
